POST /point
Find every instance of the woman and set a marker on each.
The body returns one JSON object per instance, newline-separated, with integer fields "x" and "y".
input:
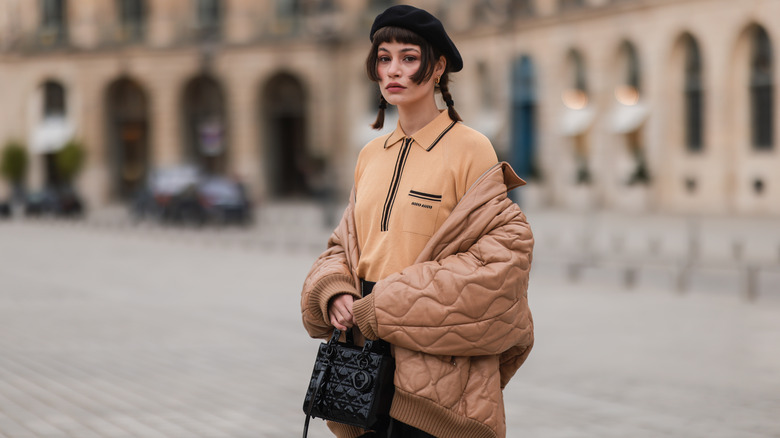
{"x": 430, "y": 255}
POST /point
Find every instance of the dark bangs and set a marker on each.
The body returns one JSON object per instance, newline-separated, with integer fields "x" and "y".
{"x": 428, "y": 55}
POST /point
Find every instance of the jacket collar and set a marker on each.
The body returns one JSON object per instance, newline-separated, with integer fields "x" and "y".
{"x": 428, "y": 136}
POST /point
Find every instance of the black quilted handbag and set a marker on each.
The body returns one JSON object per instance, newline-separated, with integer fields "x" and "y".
{"x": 350, "y": 384}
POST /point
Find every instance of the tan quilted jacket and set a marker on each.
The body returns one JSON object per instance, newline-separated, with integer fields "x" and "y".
{"x": 458, "y": 318}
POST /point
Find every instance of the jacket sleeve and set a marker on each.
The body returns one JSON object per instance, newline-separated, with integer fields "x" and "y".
{"x": 467, "y": 304}
{"x": 330, "y": 275}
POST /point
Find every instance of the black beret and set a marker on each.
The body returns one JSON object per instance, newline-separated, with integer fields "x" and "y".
{"x": 424, "y": 24}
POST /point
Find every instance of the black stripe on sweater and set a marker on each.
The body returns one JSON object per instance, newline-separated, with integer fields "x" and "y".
{"x": 400, "y": 162}
{"x": 424, "y": 195}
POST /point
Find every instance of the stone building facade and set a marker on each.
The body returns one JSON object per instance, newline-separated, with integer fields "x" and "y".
{"x": 643, "y": 105}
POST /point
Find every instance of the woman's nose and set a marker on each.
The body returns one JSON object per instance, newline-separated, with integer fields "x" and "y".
{"x": 393, "y": 70}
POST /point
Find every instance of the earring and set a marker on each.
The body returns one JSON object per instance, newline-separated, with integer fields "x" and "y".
{"x": 437, "y": 80}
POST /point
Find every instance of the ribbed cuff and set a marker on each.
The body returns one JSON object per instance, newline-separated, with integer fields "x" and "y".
{"x": 328, "y": 288}
{"x": 428, "y": 416}
{"x": 365, "y": 317}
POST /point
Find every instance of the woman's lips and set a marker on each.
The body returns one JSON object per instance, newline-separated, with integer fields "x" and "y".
{"x": 394, "y": 87}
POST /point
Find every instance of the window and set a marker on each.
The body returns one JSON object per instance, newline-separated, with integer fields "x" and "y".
{"x": 761, "y": 90}
{"x": 486, "y": 86}
{"x": 572, "y": 4}
{"x": 131, "y": 18}
{"x": 288, "y": 8}
{"x": 381, "y": 4}
{"x": 575, "y": 97}
{"x": 521, "y": 8}
{"x": 632, "y": 71}
{"x": 630, "y": 86}
{"x": 325, "y": 6}
{"x": 524, "y": 119}
{"x": 53, "y": 99}
{"x": 693, "y": 96}
{"x": 579, "y": 81}
{"x": 53, "y": 21}
{"x": 209, "y": 18}
{"x": 575, "y": 93}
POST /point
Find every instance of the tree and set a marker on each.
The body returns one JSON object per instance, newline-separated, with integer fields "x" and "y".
{"x": 13, "y": 166}
{"x": 69, "y": 161}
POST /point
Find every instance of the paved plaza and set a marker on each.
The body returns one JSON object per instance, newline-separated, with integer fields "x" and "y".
{"x": 151, "y": 332}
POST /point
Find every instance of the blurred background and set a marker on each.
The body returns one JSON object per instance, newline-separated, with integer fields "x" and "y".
{"x": 170, "y": 169}
{"x": 197, "y": 111}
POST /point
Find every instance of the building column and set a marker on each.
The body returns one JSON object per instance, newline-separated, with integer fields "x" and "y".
{"x": 165, "y": 130}
{"x": 85, "y": 99}
{"x": 243, "y": 154}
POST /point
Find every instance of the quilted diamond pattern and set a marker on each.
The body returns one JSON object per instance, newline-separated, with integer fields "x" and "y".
{"x": 347, "y": 395}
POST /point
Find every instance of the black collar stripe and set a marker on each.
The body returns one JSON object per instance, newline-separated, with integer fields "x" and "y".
{"x": 389, "y": 136}
{"x": 441, "y": 135}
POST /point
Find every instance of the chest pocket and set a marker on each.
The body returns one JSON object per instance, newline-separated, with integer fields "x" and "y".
{"x": 422, "y": 210}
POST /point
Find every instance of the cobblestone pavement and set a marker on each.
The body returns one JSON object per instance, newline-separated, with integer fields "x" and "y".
{"x": 115, "y": 333}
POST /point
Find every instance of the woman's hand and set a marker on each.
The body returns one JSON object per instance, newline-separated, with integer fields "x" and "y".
{"x": 340, "y": 311}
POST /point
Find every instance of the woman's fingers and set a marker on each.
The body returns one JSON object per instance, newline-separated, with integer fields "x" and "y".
{"x": 335, "y": 323}
{"x": 341, "y": 312}
{"x": 340, "y": 322}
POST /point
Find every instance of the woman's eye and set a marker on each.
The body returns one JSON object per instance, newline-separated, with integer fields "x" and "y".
{"x": 384, "y": 59}
{"x": 410, "y": 59}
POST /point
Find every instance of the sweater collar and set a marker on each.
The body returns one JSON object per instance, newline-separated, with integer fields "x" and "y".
{"x": 428, "y": 136}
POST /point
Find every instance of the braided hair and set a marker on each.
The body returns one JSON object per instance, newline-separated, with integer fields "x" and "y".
{"x": 445, "y": 94}
{"x": 380, "y": 117}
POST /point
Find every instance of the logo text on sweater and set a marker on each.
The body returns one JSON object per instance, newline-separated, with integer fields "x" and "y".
{"x": 417, "y": 204}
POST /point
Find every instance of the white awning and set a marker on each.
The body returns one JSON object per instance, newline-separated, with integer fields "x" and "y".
{"x": 51, "y": 135}
{"x": 628, "y": 118}
{"x": 576, "y": 121}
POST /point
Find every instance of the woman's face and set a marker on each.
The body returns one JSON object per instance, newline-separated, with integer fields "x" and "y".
{"x": 396, "y": 64}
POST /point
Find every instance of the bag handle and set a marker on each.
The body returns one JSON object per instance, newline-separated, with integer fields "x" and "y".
{"x": 318, "y": 384}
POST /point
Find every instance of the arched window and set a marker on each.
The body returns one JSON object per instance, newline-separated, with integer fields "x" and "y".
{"x": 206, "y": 136}
{"x": 632, "y": 69}
{"x": 578, "y": 79}
{"x": 693, "y": 96}
{"x": 128, "y": 135}
{"x": 761, "y": 90}
{"x": 630, "y": 84}
{"x": 284, "y": 103}
{"x": 132, "y": 16}
{"x": 53, "y": 100}
{"x": 578, "y": 118}
{"x": 524, "y": 113}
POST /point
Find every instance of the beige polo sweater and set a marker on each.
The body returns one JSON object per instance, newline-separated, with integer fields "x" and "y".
{"x": 406, "y": 186}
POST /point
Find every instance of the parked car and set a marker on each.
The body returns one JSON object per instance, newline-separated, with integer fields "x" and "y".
{"x": 55, "y": 201}
{"x": 183, "y": 195}
{"x": 154, "y": 199}
{"x": 225, "y": 200}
